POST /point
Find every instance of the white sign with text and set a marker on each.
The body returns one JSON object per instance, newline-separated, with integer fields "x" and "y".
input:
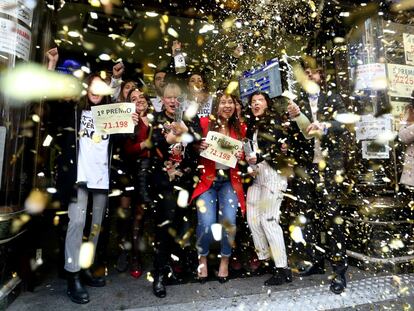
{"x": 408, "y": 40}
{"x": 114, "y": 118}
{"x": 401, "y": 80}
{"x": 222, "y": 149}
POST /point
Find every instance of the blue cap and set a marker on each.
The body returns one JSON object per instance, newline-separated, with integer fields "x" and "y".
{"x": 69, "y": 66}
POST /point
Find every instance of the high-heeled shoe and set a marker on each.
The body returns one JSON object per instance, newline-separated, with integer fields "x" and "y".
{"x": 202, "y": 279}
{"x": 136, "y": 268}
{"x": 222, "y": 279}
{"x": 135, "y": 273}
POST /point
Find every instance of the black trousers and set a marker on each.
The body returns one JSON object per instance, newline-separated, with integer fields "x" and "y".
{"x": 318, "y": 200}
{"x": 169, "y": 221}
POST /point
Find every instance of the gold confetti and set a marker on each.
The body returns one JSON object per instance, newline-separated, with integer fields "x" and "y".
{"x": 216, "y": 230}
{"x": 86, "y": 255}
{"x": 322, "y": 165}
{"x": 150, "y": 277}
{"x": 182, "y": 200}
{"x": 36, "y": 202}
{"x": 347, "y": 118}
{"x": 172, "y": 32}
{"x": 403, "y": 5}
{"x": 56, "y": 220}
{"x": 231, "y": 87}
{"x": 296, "y": 234}
{"x": 30, "y": 82}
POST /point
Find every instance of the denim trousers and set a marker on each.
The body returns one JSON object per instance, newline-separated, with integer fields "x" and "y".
{"x": 220, "y": 198}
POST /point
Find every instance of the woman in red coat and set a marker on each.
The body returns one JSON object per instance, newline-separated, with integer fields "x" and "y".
{"x": 219, "y": 190}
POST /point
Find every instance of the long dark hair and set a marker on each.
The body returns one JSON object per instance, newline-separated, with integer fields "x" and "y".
{"x": 121, "y": 94}
{"x": 270, "y": 114}
{"x": 203, "y": 77}
{"x": 84, "y": 103}
{"x": 150, "y": 108}
{"x": 233, "y": 122}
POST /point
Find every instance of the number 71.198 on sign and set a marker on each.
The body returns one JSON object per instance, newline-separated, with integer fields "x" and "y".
{"x": 116, "y": 124}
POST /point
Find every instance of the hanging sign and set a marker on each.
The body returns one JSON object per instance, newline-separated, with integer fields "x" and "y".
{"x": 408, "y": 40}
{"x": 370, "y": 76}
{"x": 14, "y": 39}
{"x": 17, "y": 9}
{"x": 401, "y": 80}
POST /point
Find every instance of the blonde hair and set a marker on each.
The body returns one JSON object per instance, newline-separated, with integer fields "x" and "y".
{"x": 172, "y": 88}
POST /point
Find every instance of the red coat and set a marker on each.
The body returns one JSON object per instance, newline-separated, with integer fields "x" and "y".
{"x": 209, "y": 170}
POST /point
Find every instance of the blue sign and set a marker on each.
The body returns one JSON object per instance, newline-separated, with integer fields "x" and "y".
{"x": 266, "y": 78}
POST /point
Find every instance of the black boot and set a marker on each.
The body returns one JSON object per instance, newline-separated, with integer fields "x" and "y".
{"x": 338, "y": 284}
{"x": 280, "y": 276}
{"x": 76, "y": 291}
{"x": 89, "y": 279}
{"x": 158, "y": 286}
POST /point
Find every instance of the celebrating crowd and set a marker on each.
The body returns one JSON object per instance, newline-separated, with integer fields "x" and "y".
{"x": 288, "y": 151}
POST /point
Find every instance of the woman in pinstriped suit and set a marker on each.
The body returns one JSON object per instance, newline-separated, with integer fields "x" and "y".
{"x": 265, "y": 195}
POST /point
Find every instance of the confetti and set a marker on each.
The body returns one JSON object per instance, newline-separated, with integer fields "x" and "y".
{"x": 33, "y": 82}
{"x": 36, "y": 202}
{"x": 216, "y": 230}
{"x": 182, "y": 200}
{"x": 86, "y": 255}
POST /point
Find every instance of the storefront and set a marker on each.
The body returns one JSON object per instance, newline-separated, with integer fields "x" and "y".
{"x": 372, "y": 67}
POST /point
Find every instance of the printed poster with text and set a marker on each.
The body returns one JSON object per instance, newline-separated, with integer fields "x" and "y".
{"x": 408, "y": 40}
{"x": 114, "y": 118}
{"x": 401, "y": 80}
{"x": 222, "y": 149}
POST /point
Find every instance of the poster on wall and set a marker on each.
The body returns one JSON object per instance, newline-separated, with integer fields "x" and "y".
{"x": 401, "y": 80}
{"x": 17, "y": 9}
{"x": 265, "y": 78}
{"x": 369, "y": 76}
{"x": 372, "y": 150}
{"x": 14, "y": 39}
{"x": 408, "y": 40}
{"x": 398, "y": 108}
{"x": 370, "y": 127}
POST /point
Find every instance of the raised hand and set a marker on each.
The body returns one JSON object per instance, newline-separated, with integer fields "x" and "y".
{"x": 118, "y": 70}
{"x": 293, "y": 110}
{"x": 52, "y": 57}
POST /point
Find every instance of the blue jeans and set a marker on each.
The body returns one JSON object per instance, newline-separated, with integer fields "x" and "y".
{"x": 221, "y": 192}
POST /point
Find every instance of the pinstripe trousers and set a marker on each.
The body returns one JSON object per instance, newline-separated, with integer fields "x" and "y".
{"x": 264, "y": 199}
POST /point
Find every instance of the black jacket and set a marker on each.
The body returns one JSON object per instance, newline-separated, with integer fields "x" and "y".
{"x": 334, "y": 141}
{"x": 162, "y": 151}
{"x": 271, "y": 136}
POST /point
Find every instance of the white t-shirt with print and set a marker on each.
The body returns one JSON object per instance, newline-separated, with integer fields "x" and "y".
{"x": 157, "y": 103}
{"x": 205, "y": 109}
{"x": 93, "y": 155}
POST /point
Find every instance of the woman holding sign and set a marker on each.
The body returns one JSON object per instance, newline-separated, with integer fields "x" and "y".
{"x": 265, "y": 150}
{"x": 219, "y": 190}
{"x": 137, "y": 149}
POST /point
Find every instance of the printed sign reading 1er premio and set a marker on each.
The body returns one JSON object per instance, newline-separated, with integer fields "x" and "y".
{"x": 114, "y": 118}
